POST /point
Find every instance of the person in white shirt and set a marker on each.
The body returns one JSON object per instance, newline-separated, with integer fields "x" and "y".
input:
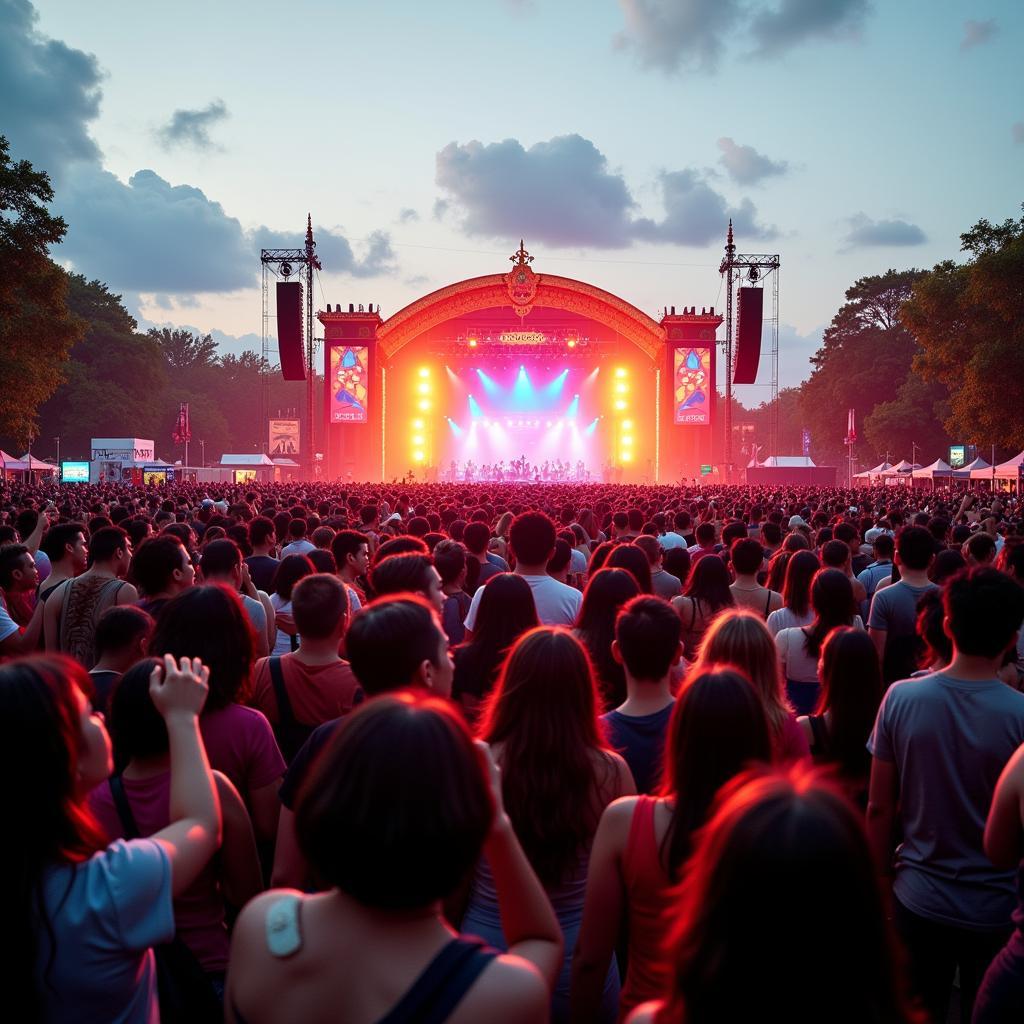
{"x": 297, "y": 542}
{"x": 532, "y": 540}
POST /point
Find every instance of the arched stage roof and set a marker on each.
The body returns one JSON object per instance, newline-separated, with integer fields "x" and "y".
{"x": 522, "y": 290}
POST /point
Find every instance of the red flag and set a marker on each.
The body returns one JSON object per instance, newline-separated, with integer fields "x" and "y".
{"x": 182, "y": 427}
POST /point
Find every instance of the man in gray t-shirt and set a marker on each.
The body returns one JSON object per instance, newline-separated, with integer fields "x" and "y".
{"x": 938, "y": 745}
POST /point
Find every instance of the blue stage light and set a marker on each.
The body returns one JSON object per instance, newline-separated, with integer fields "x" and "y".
{"x": 574, "y": 408}
{"x": 474, "y": 408}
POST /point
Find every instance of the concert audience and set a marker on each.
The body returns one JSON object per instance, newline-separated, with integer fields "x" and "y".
{"x": 374, "y": 816}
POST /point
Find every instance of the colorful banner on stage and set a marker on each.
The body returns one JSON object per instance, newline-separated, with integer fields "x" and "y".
{"x": 284, "y": 437}
{"x": 349, "y": 379}
{"x": 691, "y": 384}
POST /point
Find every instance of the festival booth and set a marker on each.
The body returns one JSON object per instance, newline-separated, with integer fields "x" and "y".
{"x": 243, "y": 469}
{"x": 289, "y": 469}
{"x": 1008, "y": 474}
{"x": 120, "y": 460}
{"x": 938, "y": 470}
{"x": 870, "y": 476}
{"x": 900, "y": 473}
{"x": 9, "y": 465}
{"x": 967, "y": 472}
{"x": 790, "y": 470}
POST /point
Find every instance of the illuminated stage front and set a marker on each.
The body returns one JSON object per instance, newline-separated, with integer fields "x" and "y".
{"x": 518, "y": 376}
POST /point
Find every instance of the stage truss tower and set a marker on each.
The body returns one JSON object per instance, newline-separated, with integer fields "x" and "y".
{"x": 283, "y": 263}
{"x": 752, "y": 268}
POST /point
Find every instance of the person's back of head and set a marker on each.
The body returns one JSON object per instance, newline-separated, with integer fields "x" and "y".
{"x": 449, "y": 561}
{"x": 106, "y": 543}
{"x": 746, "y": 555}
{"x": 506, "y": 611}
{"x": 220, "y": 560}
{"x": 883, "y": 547}
{"x": 209, "y": 623}
{"x": 620, "y": 520}
{"x": 404, "y": 545}
{"x": 915, "y": 547}
{"x": 137, "y": 729}
{"x": 396, "y": 642}
{"x": 406, "y": 573}
{"x": 397, "y": 808}
{"x": 677, "y": 562}
{"x": 772, "y": 533}
{"x": 732, "y": 532}
{"x": 296, "y": 530}
{"x": 984, "y": 610}
{"x": 648, "y": 632}
{"x": 718, "y": 728}
{"x": 800, "y": 572}
{"x": 261, "y": 529}
{"x": 322, "y": 537}
{"x": 980, "y": 548}
{"x": 159, "y": 564}
{"x": 681, "y": 521}
{"x": 320, "y": 606}
{"x": 290, "y": 570}
{"x": 122, "y": 629}
{"x": 947, "y": 563}
{"x": 835, "y": 554}
{"x": 532, "y": 538}
{"x": 768, "y": 832}
{"x": 705, "y": 534}
{"x": 559, "y": 561}
{"x": 847, "y": 533}
{"x": 635, "y": 520}
{"x": 651, "y": 547}
{"x": 475, "y": 536}
{"x": 634, "y": 560}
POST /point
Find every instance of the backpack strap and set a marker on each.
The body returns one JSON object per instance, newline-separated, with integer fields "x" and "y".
{"x": 442, "y": 985}
{"x": 123, "y": 808}
{"x": 285, "y": 715}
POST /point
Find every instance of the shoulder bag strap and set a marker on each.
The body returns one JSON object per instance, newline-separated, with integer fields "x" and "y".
{"x": 123, "y": 808}
{"x": 285, "y": 715}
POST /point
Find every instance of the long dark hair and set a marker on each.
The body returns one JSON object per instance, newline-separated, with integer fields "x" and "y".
{"x": 833, "y": 604}
{"x": 709, "y": 584}
{"x": 767, "y": 834}
{"x": 506, "y": 611}
{"x": 210, "y": 623}
{"x": 543, "y": 712}
{"x": 796, "y": 589}
{"x": 289, "y": 572}
{"x": 51, "y": 820}
{"x": 607, "y": 591}
{"x": 633, "y": 559}
{"x": 718, "y": 726}
{"x": 851, "y": 689}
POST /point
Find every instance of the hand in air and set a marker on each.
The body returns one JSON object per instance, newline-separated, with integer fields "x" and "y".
{"x": 180, "y": 687}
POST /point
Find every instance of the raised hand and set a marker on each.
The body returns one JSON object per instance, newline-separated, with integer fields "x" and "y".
{"x": 179, "y": 687}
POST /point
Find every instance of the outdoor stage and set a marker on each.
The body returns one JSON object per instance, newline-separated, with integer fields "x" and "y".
{"x": 518, "y": 375}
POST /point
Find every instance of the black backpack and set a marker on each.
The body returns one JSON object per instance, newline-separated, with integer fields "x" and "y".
{"x": 291, "y": 734}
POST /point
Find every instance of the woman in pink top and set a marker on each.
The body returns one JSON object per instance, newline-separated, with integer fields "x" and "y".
{"x": 210, "y": 623}
{"x": 717, "y": 727}
{"x": 741, "y": 639}
{"x": 142, "y": 764}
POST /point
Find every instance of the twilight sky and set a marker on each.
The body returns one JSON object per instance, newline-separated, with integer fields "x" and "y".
{"x": 616, "y": 136}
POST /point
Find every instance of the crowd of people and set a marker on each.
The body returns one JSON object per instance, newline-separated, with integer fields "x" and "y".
{"x": 512, "y": 752}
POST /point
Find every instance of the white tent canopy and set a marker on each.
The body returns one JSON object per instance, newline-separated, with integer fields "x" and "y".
{"x": 1012, "y": 469}
{"x": 965, "y": 472}
{"x": 902, "y": 468}
{"x": 937, "y": 469}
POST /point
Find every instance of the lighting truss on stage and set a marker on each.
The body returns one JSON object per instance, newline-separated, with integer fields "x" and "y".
{"x": 754, "y": 267}
{"x": 284, "y": 263}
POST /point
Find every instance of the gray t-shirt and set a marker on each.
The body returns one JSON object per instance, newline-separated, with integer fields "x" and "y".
{"x": 894, "y": 609}
{"x": 949, "y": 739}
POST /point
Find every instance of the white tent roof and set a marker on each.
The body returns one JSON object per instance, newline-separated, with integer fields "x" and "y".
{"x": 901, "y": 467}
{"x": 7, "y": 460}
{"x": 1009, "y": 470}
{"x": 245, "y": 460}
{"x": 964, "y": 472}
{"x": 31, "y": 462}
{"x": 288, "y": 463}
{"x": 937, "y": 468}
{"x": 785, "y": 462}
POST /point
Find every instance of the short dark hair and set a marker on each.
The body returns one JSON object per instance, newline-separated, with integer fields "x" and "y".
{"x": 397, "y": 809}
{"x": 10, "y": 556}
{"x": 289, "y": 571}
{"x": 981, "y": 546}
{"x": 400, "y": 546}
{"x": 562, "y": 556}
{"x": 389, "y": 639}
{"x": 771, "y": 532}
{"x": 747, "y": 555}
{"x": 156, "y": 561}
{"x": 705, "y": 533}
{"x": 985, "y": 609}
{"x": 835, "y": 554}
{"x": 120, "y": 626}
{"x": 220, "y": 557}
{"x": 532, "y": 537}
{"x": 915, "y": 546}
{"x": 449, "y": 560}
{"x": 260, "y": 530}
{"x": 648, "y": 631}
{"x": 319, "y": 602}
{"x": 58, "y": 537}
{"x": 106, "y": 542}
{"x": 884, "y": 545}
{"x": 345, "y": 543}
{"x": 475, "y": 536}
{"x": 398, "y": 574}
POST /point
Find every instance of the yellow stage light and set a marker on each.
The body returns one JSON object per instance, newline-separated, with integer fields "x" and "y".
{"x": 620, "y": 405}
{"x": 627, "y": 456}
{"x": 620, "y": 372}
{"x": 423, "y": 405}
{"x": 621, "y": 389}
{"x": 417, "y": 424}
{"x": 418, "y": 456}
{"x": 627, "y": 440}
{"x": 627, "y": 424}
{"x": 424, "y": 371}
{"x": 418, "y": 439}
{"x": 423, "y": 388}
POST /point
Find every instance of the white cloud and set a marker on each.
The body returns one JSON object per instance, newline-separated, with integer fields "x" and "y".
{"x": 745, "y": 165}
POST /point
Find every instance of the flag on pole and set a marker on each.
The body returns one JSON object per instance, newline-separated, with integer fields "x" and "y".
{"x": 182, "y": 427}
{"x": 851, "y": 427}
{"x": 805, "y": 442}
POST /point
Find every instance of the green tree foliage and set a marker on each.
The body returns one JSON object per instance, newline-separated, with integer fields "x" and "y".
{"x": 36, "y": 327}
{"x": 969, "y": 322}
{"x": 914, "y": 416}
{"x": 865, "y": 358}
